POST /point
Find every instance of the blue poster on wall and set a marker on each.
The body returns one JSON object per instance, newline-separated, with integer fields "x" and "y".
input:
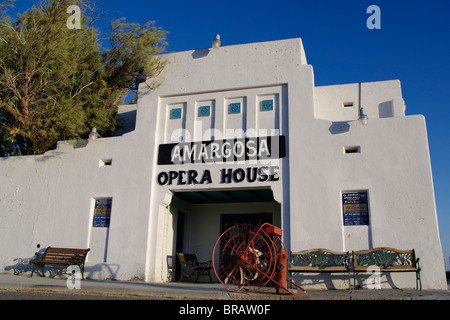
{"x": 102, "y": 213}
{"x": 355, "y": 209}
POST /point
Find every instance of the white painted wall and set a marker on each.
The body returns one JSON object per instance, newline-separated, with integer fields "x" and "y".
{"x": 48, "y": 199}
{"x": 191, "y": 77}
{"x": 394, "y": 167}
{"x": 342, "y": 102}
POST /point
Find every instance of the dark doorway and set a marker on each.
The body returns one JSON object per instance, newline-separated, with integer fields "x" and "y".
{"x": 255, "y": 219}
{"x": 225, "y": 220}
{"x": 179, "y": 243}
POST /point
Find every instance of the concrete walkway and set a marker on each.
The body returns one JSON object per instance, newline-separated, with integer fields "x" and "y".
{"x": 202, "y": 291}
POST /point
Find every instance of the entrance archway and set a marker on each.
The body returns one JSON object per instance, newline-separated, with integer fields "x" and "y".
{"x": 200, "y": 217}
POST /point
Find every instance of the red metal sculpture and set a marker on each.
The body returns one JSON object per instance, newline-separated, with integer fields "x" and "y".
{"x": 249, "y": 258}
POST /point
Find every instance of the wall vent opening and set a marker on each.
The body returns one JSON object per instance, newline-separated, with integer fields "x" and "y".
{"x": 105, "y": 162}
{"x": 348, "y": 104}
{"x": 352, "y": 149}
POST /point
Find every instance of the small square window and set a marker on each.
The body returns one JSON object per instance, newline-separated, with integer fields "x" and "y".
{"x": 234, "y": 108}
{"x": 204, "y": 111}
{"x": 175, "y": 113}
{"x": 267, "y": 105}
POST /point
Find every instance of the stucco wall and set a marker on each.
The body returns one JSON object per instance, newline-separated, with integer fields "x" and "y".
{"x": 393, "y": 167}
{"x": 381, "y": 99}
{"x": 48, "y": 199}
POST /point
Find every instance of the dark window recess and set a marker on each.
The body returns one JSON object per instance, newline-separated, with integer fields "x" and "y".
{"x": 352, "y": 149}
{"x": 105, "y": 162}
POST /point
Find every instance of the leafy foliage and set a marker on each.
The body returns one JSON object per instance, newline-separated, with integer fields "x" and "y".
{"x": 57, "y": 83}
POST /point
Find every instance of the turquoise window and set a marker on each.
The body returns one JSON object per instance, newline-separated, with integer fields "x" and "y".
{"x": 234, "y": 108}
{"x": 175, "y": 113}
{"x": 267, "y": 105}
{"x": 204, "y": 111}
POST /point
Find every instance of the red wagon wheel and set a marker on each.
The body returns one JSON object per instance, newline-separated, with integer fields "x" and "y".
{"x": 244, "y": 258}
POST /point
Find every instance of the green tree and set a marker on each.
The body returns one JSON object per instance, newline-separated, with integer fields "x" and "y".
{"x": 56, "y": 83}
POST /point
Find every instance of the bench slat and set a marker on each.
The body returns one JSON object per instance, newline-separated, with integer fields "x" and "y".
{"x": 54, "y": 261}
{"x": 66, "y": 250}
{"x": 317, "y": 269}
{"x": 390, "y": 269}
{"x": 75, "y": 255}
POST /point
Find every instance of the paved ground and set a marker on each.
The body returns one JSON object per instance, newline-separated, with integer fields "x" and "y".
{"x": 191, "y": 291}
{"x": 203, "y": 300}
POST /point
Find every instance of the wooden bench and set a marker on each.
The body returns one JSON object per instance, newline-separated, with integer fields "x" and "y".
{"x": 189, "y": 264}
{"x": 319, "y": 260}
{"x": 387, "y": 260}
{"x": 60, "y": 256}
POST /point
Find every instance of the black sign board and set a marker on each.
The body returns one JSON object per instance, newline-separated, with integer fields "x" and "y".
{"x": 102, "y": 213}
{"x": 229, "y": 150}
{"x": 355, "y": 209}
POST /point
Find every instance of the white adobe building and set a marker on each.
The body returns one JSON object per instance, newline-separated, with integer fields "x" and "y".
{"x": 161, "y": 203}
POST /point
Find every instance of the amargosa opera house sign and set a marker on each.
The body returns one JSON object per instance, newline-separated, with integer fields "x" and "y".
{"x": 221, "y": 151}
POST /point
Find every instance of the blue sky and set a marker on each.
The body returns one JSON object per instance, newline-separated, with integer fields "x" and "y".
{"x": 413, "y": 45}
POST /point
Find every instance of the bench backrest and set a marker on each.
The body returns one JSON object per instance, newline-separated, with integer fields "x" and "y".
{"x": 384, "y": 258}
{"x": 320, "y": 259}
{"x": 58, "y": 255}
{"x": 187, "y": 259}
